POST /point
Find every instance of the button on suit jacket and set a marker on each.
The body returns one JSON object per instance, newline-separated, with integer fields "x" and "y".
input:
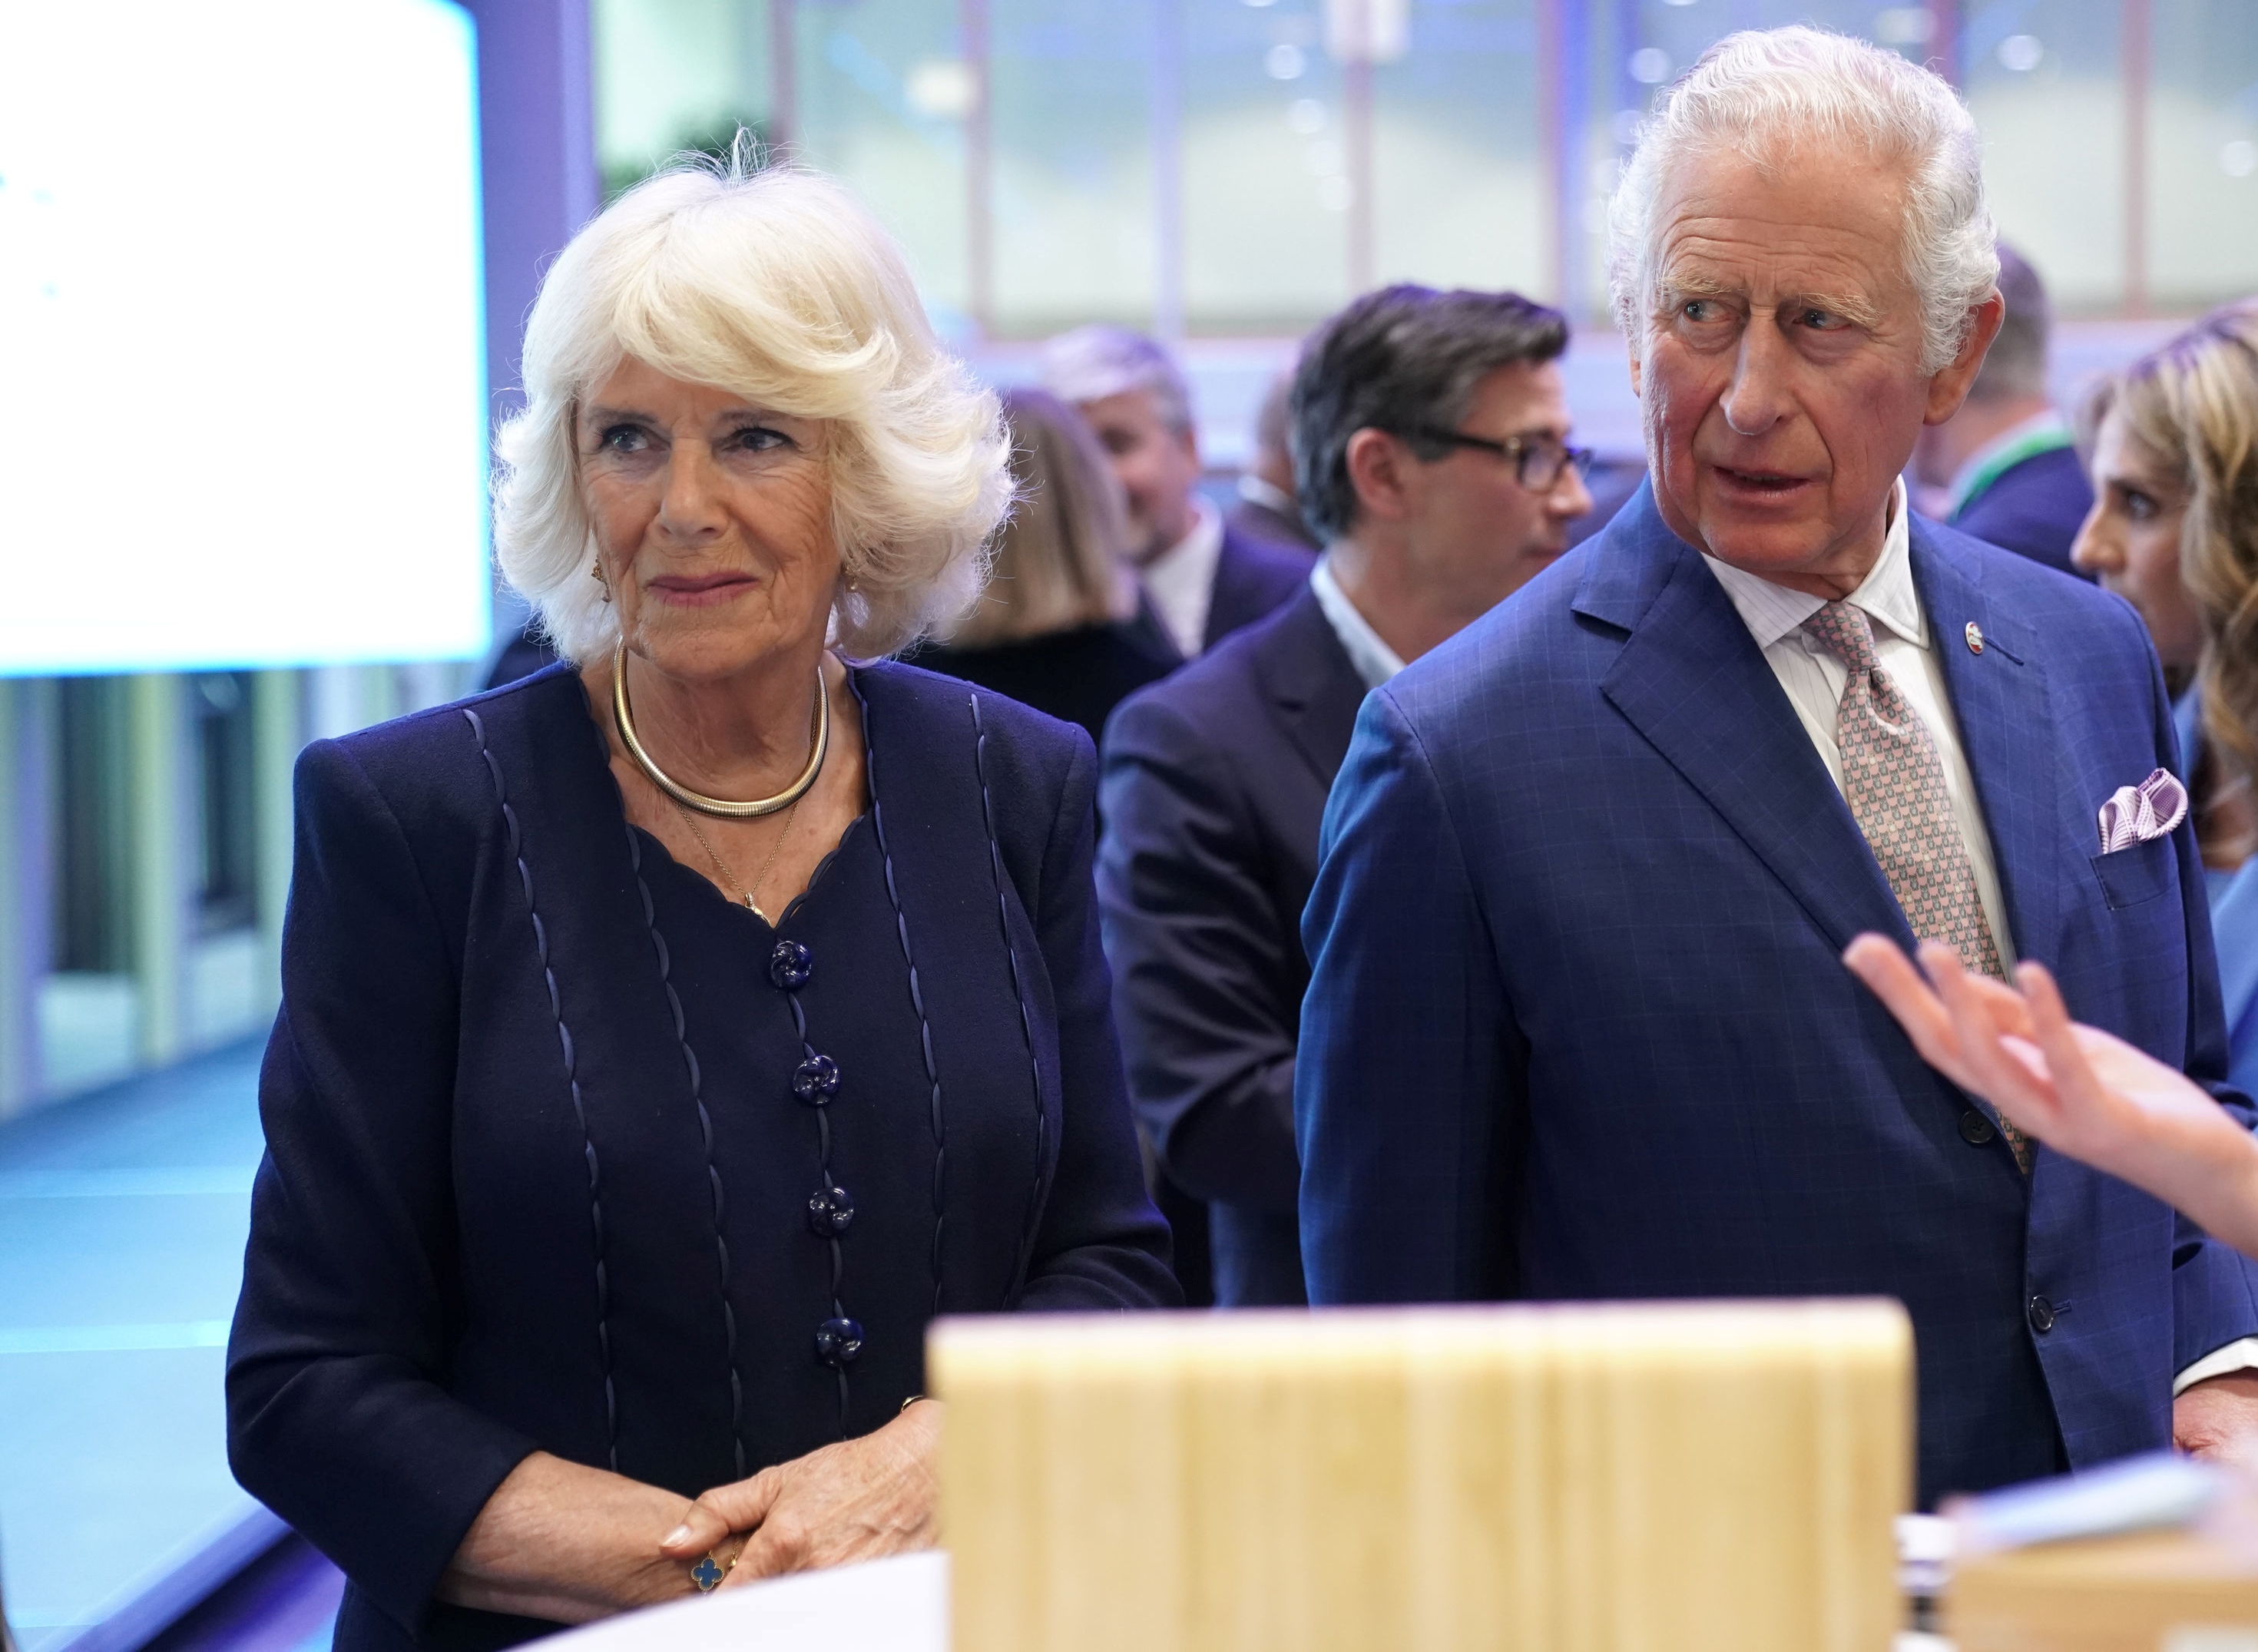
{"x": 1579, "y": 1027}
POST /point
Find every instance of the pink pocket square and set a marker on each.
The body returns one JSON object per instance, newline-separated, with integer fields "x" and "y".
{"x": 2138, "y": 813}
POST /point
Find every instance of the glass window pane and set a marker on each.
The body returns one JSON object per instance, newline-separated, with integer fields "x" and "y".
{"x": 1151, "y": 160}
{"x": 220, "y": 708}
{"x": 877, "y": 95}
{"x": 1665, "y": 38}
{"x": 674, "y": 75}
{"x": 2042, "y": 81}
{"x": 92, "y": 780}
{"x": 1071, "y": 199}
{"x": 2203, "y": 153}
{"x": 1461, "y": 197}
{"x": 1630, "y": 51}
{"x": 1267, "y": 159}
{"x": 883, "y": 93}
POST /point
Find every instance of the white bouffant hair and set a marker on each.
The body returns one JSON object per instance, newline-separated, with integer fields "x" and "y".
{"x": 1762, "y": 94}
{"x": 773, "y": 284}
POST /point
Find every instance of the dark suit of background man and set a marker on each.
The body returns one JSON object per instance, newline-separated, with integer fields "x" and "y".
{"x": 1204, "y": 580}
{"x": 1267, "y": 506}
{"x": 2003, "y": 468}
{"x": 1201, "y": 579}
{"x": 1578, "y": 1025}
{"x": 1215, "y": 779}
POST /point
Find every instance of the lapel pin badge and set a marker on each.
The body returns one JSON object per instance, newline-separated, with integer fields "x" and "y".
{"x": 1975, "y": 634}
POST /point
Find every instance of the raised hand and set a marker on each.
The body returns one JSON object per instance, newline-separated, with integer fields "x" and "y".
{"x": 2080, "y": 1091}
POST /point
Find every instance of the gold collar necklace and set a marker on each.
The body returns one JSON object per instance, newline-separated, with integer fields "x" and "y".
{"x": 820, "y": 739}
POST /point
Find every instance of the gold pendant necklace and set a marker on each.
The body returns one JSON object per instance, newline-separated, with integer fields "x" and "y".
{"x": 818, "y": 740}
{"x": 729, "y": 878}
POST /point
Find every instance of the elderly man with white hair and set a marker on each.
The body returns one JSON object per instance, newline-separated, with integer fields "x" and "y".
{"x": 1578, "y": 1025}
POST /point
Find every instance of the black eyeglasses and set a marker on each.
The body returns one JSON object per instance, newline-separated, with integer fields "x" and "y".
{"x": 1538, "y": 461}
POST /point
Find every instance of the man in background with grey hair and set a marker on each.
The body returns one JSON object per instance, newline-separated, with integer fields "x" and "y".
{"x": 2003, "y": 468}
{"x": 1578, "y": 1025}
{"x": 1431, "y": 430}
{"x": 1203, "y": 579}
{"x": 1267, "y": 507}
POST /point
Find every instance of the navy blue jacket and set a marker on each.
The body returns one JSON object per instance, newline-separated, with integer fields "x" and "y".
{"x": 1579, "y": 1028}
{"x": 1077, "y": 677}
{"x": 2033, "y": 508}
{"x": 1213, "y": 785}
{"x": 1253, "y": 578}
{"x": 543, "y": 1129}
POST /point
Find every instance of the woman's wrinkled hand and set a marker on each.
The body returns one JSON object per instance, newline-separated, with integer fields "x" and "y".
{"x": 2082, "y": 1091}
{"x": 859, "y": 1500}
{"x": 567, "y": 1542}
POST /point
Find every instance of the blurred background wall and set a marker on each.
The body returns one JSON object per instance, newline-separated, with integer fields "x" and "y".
{"x": 1222, "y": 172}
{"x": 1217, "y": 167}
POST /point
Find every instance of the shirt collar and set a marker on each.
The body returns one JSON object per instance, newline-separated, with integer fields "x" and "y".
{"x": 1374, "y": 660}
{"x": 1181, "y": 580}
{"x": 1772, "y": 612}
{"x": 1257, "y": 490}
{"x": 1197, "y": 550}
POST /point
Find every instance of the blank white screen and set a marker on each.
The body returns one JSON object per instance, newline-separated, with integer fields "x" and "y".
{"x": 243, "y": 411}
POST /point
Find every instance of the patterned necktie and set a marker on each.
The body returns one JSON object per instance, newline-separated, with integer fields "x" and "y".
{"x": 1894, "y": 782}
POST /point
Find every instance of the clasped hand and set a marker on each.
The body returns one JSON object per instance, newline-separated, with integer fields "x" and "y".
{"x": 859, "y": 1500}
{"x": 568, "y": 1543}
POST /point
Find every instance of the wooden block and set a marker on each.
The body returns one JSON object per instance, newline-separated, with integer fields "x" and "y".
{"x": 1675, "y": 1477}
{"x": 2152, "y": 1590}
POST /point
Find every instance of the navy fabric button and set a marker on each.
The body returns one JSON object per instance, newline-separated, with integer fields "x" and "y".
{"x": 1975, "y": 1129}
{"x": 2041, "y": 1314}
{"x": 830, "y": 1212}
{"x": 790, "y": 965}
{"x": 816, "y": 1080}
{"x": 839, "y": 1341}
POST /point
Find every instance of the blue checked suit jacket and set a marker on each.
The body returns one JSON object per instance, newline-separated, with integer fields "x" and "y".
{"x": 1578, "y": 1025}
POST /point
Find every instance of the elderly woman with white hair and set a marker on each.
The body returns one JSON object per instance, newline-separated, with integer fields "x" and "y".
{"x": 669, "y": 1037}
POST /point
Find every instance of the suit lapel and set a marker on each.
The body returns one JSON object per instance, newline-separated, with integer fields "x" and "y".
{"x": 1307, "y": 677}
{"x": 1227, "y": 596}
{"x": 1151, "y": 631}
{"x": 1693, "y": 681}
{"x": 2000, "y": 699}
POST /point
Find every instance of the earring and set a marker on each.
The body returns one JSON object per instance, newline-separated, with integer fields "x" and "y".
{"x": 596, "y": 572}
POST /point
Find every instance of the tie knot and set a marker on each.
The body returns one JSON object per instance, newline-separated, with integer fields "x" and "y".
{"x": 1842, "y": 629}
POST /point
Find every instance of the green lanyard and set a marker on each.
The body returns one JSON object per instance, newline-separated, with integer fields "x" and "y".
{"x": 2005, "y": 459}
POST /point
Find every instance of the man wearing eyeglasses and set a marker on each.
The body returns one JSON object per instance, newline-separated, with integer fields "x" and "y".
{"x": 1431, "y": 439}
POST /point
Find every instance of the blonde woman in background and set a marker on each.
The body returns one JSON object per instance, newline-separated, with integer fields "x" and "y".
{"x": 1058, "y": 627}
{"x": 2173, "y": 530}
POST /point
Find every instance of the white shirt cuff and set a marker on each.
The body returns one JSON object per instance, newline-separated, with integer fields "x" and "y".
{"x": 2239, "y": 1355}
